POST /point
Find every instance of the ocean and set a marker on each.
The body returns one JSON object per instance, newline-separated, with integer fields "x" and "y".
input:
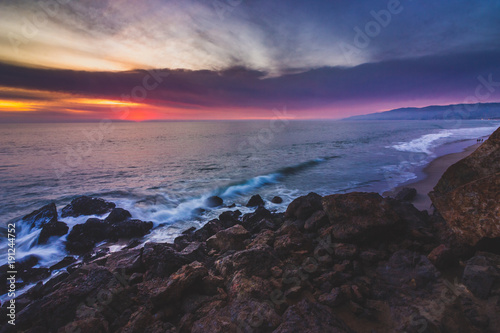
{"x": 163, "y": 171}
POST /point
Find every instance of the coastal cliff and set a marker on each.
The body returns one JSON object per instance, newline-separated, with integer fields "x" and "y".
{"x": 355, "y": 262}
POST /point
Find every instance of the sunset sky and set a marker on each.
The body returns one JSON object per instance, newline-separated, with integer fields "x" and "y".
{"x": 77, "y": 60}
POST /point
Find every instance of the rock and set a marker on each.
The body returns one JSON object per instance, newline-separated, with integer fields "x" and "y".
{"x": 468, "y": 193}
{"x": 482, "y": 274}
{"x": 255, "y": 200}
{"x": 126, "y": 261}
{"x": 83, "y": 237}
{"x": 184, "y": 280}
{"x": 128, "y": 229}
{"x": 38, "y": 218}
{"x": 161, "y": 260}
{"x": 266, "y": 237}
{"x": 406, "y": 194}
{"x": 335, "y": 298}
{"x": 316, "y": 221}
{"x": 52, "y": 229}
{"x": 255, "y": 261}
{"x": 277, "y": 200}
{"x": 118, "y": 215}
{"x": 251, "y": 218}
{"x": 229, "y": 239}
{"x": 291, "y": 239}
{"x": 63, "y": 263}
{"x": 306, "y": 316}
{"x": 85, "y": 205}
{"x": 303, "y": 207}
{"x": 208, "y": 230}
{"x": 229, "y": 218}
{"x": 360, "y": 216}
{"x": 442, "y": 257}
{"x": 195, "y": 251}
{"x": 214, "y": 201}
{"x": 345, "y": 251}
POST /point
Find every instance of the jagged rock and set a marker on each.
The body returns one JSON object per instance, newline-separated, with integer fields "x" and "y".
{"x": 184, "y": 280}
{"x": 63, "y": 263}
{"x": 161, "y": 260}
{"x": 255, "y": 261}
{"x": 83, "y": 237}
{"x": 311, "y": 317}
{"x": 291, "y": 239}
{"x": 128, "y": 229}
{"x": 255, "y": 200}
{"x": 229, "y": 218}
{"x": 52, "y": 229}
{"x": 468, "y": 193}
{"x": 208, "y": 230}
{"x": 442, "y": 257}
{"x": 316, "y": 221}
{"x": 360, "y": 216}
{"x": 251, "y": 218}
{"x": 40, "y": 217}
{"x": 406, "y": 194}
{"x": 303, "y": 207}
{"x": 118, "y": 215}
{"x": 482, "y": 274}
{"x": 229, "y": 239}
{"x": 214, "y": 201}
{"x": 276, "y": 200}
{"x": 85, "y": 205}
{"x": 126, "y": 261}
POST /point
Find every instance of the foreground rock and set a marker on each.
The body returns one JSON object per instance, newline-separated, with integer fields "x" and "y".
{"x": 469, "y": 193}
{"x": 352, "y": 262}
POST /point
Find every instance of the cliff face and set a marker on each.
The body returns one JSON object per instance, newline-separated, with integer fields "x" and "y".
{"x": 468, "y": 194}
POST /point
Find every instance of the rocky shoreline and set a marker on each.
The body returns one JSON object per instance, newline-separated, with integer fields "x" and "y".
{"x": 355, "y": 262}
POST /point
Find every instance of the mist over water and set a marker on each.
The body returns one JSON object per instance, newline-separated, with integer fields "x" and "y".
{"x": 163, "y": 172}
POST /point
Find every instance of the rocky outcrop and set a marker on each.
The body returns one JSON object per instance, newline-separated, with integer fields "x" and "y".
{"x": 85, "y": 205}
{"x": 40, "y": 217}
{"x": 468, "y": 194}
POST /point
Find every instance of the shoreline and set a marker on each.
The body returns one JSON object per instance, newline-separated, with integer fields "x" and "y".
{"x": 432, "y": 173}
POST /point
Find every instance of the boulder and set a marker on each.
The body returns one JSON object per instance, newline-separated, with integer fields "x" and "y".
{"x": 128, "y": 229}
{"x": 260, "y": 213}
{"x": 360, "y": 216}
{"x": 40, "y": 217}
{"x": 254, "y": 261}
{"x": 307, "y": 316}
{"x": 83, "y": 237}
{"x": 185, "y": 280}
{"x": 255, "y": 201}
{"x": 85, "y": 205}
{"x": 316, "y": 221}
{"x": 229, "y": 239}
{"x": 63, "y": 263}
{"x": 214, "y": 201}
{"x": 482, "y": 274}
{"x": 118, "y": 215}
{"x": 161, "y": 260}
{"x": 442, "y": 257}
{"x": 54, "y": 228}
{"x": 406, "y": 194}
{"x": 277, "y": 200}
{"x": 303, "y": 207}
{"x": 468, "y": 194}
{"x": 229, "y": 218}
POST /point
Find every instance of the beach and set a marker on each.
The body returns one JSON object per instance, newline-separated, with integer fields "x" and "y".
{"x": 432, "y": 174}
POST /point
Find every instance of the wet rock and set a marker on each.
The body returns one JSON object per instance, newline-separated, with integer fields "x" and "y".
{"x": 306, "y": 316}
{"x": 85, "y": 205}
{"x": 195, "y": 251}
{"x": 128, "y": 229}
{"x": 83, "y": 237}
{"x": 40, "y": 217}
{"x": 255, "y": 200}
{"x": 179, "y": 283}
{"x": 468, "y": 193}
{"x": 214, "y": 201}
{"x": 406, "y": 194}
{"x": 256, "y": 227}
{"x": 266, "y": 237}
{"x": 118, "y": 215}
{"x": 63, "y": 263}
{"x": 360, "y": 216}
{"x": 208, "y": 230}
{"x": 277, "y": 200}
{"x": 52, "y": 229}
{"x": 229, "y": 218}
{"x": 442, "y": 257}
{"x": 127, "y": 261}
{"x": 303, "y": 207}
{"x": 229, "y": 239}
{"x": 251, "y": 218}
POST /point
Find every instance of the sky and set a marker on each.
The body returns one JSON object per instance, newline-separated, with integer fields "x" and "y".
{"x": 79, "y": 60}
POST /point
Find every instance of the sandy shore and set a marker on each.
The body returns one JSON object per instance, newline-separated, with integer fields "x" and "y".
{"x": 433, "y": 173}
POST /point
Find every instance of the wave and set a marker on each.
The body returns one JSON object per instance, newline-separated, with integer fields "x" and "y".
{"x": 426, "y": 143}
